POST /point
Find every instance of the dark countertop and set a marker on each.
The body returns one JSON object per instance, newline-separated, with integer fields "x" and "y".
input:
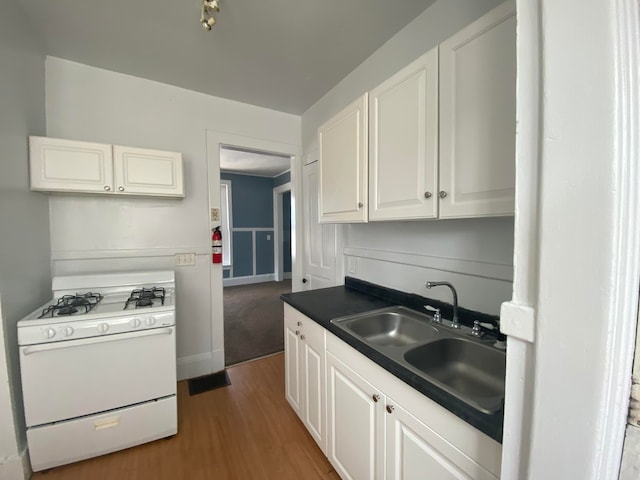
{"x": 357, "y": 296}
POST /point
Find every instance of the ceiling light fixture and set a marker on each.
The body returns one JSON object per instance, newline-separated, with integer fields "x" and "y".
{"x": 209, "y": 8}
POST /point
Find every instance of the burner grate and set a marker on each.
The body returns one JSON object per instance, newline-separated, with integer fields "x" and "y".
{"x": 145, "y": 297}
{"x": 71, "y": 304}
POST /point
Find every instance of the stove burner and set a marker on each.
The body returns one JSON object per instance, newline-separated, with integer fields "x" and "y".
{"x": 67, "y": 310}
{"x": 70, "y": 304}
{"x": 145, "y": 297}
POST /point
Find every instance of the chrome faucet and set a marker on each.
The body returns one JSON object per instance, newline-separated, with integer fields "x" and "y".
{"x": 455, "y": 322}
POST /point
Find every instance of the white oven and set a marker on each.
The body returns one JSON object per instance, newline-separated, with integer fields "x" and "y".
{"x": 98, "y": 366}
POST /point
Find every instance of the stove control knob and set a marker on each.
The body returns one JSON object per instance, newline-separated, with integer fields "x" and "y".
{"x": 151, "y": 321}
{"x": 103, "y": 327}
{"x": 49, "y": 333}
{"x": 135, "y": 323}
{"x": 68, "y": 331}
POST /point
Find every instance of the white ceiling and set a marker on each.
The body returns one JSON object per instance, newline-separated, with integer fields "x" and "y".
{"x": 279, "y": 54}
{"x": 237, "y": 160}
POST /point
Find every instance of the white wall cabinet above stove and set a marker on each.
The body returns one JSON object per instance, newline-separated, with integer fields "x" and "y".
{"x": 59, "y": 165}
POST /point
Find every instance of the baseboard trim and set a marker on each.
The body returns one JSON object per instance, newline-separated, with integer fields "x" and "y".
{"x": 16, "y": 467}
{"x": 248, "y": 280}
{"x": 193, "y": 366}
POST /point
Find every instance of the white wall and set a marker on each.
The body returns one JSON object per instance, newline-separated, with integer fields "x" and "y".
{"x": 100, "y": 233}
{"x": 25, "y": 280}
{"x": 475, "y": 255}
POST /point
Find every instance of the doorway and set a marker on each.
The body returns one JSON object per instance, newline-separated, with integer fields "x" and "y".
{"x": 255, "y": 188}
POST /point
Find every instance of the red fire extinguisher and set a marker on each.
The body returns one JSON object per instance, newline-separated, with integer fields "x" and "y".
{"x": 216, "y": 246}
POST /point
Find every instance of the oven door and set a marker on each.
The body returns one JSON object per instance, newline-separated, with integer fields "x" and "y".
{"x": 64, "y": 380}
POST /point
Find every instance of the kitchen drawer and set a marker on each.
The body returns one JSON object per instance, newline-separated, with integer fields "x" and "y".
{"x": 86, "y": 437}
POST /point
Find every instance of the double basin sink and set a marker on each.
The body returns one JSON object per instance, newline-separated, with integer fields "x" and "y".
{"x": 469, "y": 368}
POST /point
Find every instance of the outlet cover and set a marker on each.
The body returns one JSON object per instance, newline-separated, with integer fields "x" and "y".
{"x": 184, "y": 259}
{"x": 352, "y": 265}
{"x": 215, "y": 214}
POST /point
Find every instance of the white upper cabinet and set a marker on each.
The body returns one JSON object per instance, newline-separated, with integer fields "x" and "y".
{"x": 343, "y": 165}
{"x": 139, "y": 171}
{"x": 59, "y": 165}
{"x": 478, "y": 117}
{"x": 403, "y": 143}
{"x": 70, "y": 166}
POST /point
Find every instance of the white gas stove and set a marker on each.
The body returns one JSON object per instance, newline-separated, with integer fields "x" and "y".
{"x": 98, "y": 366}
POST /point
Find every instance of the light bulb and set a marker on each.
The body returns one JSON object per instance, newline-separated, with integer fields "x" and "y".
{"x": 205, "y": 25}
{"x": 211, "y": 22}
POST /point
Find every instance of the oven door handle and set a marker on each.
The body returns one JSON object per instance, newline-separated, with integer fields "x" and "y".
{"x": 81, "y": 342}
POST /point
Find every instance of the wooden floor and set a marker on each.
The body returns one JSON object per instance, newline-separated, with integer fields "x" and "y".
{"x": 244, "y": 431}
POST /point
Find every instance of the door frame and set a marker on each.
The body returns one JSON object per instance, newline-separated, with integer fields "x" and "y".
{"x": 214, "y": 140}
{"x": 278, "y": 250}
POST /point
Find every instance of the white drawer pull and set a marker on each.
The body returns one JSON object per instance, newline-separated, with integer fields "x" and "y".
{"x": 106, "y": 423}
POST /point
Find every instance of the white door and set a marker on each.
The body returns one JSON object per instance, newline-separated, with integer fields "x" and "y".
{"x": 148, "y": 172}
{"x": 355, "y": 423}
{"x": 321, "y": 240}
{"x": 478, "y": 117}
{"x": 403, "y": 161}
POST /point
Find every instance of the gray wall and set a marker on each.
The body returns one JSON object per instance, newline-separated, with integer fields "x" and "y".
{"x": 403, "y": 255}
{"x": 25, "y": 278}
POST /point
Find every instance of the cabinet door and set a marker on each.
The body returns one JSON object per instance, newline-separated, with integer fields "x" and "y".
{"x": 320, "y": 239}
{"x": 343, "y": 165}
{"x": 403, "y": 143}
{"x": 478, "y": 117}
{"x": 415, "y": 452}
{"x": 355, "y": 423}
{"x": 292, "y": 359}
{"x": 140, "y": 171}
{"x": 313, "y": 353}
{"x": 71, "y": 166}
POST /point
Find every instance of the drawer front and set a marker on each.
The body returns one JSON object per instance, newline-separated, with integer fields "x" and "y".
{"x": 67, "y": 442}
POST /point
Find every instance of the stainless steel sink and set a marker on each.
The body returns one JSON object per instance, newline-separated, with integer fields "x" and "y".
{"x": 467, "y": 369}
{"x": 464, "y": 366}
{"x": 395, "y": 326}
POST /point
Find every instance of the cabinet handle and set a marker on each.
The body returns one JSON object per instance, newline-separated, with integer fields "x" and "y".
{"x": 360, "y": 205}
{"x": 390, "y": 409}
{"x": 427, "y": 194}
{"x": 302, "y": 337}
{"x": 107, "y": 188}
{"x": 442, "y": 194}
{"x": 299, "y": 323}
{"x": 375, "y": 397}
{"x": 121, "y": 189}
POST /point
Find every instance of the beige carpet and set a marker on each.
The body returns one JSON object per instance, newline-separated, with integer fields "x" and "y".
{"x": 253, "y": 320}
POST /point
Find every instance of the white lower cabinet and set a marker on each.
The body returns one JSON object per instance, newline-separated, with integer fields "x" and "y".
{"x": 356, "y": 423}
{"x": 377, "y": 427}
{"x": 305, "y": 372}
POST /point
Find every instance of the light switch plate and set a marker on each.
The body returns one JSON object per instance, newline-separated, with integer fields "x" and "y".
{"x": 184, "y": 259}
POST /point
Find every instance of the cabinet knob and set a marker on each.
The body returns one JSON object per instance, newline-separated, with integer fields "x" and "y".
{"x": 297, "y": 332}
{"x": 375, "y": 397}
{"x": 121, "y": 189}
{"x": 107, "y": 188}
{"x": 299, "y": 323}
{"x": 427, "y": 194}
{"x": 304, "y": 280}
{"x": 390, "y": 409}
{"x": 360, "y": 205}
{"x": 442, "y": 194}
{"x": 302, "y": 337}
